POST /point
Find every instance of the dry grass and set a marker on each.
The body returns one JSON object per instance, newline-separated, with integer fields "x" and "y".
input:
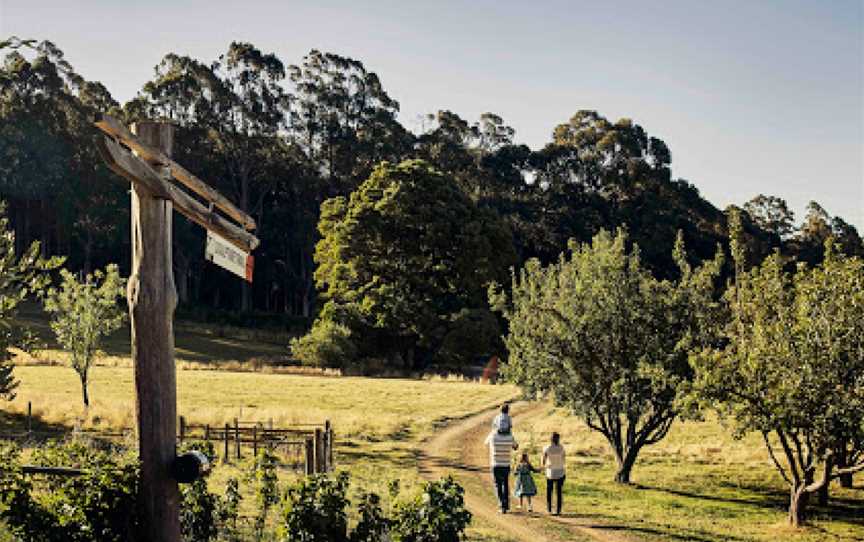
{"x": 372, "y": 409}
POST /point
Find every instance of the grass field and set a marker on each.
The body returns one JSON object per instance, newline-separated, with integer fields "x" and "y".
{"x": 698, "y": 484}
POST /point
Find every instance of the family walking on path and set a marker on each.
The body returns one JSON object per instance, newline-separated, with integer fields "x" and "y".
{"x": 501, "y": 445}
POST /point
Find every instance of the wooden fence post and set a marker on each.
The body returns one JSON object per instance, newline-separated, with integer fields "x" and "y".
{"x": 182, "y": 429}
{"x": 29, "y": 417}
{"x": 255, "y": 441}
{"x": 310, "y": 456}
{"x": 328, "y": 433}
{"x": 226, "y": 457}
{"x": 237, "y": 437}
{"x": 152, "y": 300}
{"x": 319, "y": 450}
{"x": 207, "y": 432}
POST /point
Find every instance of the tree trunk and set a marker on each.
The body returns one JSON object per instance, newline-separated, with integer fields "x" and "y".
{"x": 86, "y": 396}
{"x": 88, "y": 253}
{"x": 45, "y": 220}
{"x": 152, "y": 300}
{"x": 823, "y": 495}
{"x": 842, "y": 462}
{"x": 625, "y": 466}
{"x": 246, "y": 297}
{"x": 799, "y": 500}
{"x": 798, "y": 506}
{"x": 181, "y": 277}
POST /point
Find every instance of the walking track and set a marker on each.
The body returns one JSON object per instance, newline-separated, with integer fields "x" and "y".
{"x": 458, "y": 449}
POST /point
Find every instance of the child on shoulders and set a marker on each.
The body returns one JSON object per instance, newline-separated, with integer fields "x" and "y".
{"x": 503, "y": 423}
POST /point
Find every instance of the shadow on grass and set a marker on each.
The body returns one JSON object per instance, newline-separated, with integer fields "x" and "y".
{"x": 839, "y": 509}
{"x": 450, "y": 464}
{"x": 16, "y": 423}
{"x": 769, "y": 498}
{"x": 602, "y": 522}
{"x": 194, "y": 342}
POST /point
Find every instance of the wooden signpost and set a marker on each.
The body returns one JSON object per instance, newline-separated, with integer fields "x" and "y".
{"x": 143, "y": 156}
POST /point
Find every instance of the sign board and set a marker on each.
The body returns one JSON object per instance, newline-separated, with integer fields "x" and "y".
{"x": 227, "y": 256}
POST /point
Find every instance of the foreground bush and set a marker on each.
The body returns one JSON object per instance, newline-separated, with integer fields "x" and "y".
{"x": 101, "y": 505}
{"x": 98, "y": 506}
{"x": 315, "y": 509}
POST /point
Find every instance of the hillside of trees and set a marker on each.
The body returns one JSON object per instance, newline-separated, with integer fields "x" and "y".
{"x": 283, "y": 141}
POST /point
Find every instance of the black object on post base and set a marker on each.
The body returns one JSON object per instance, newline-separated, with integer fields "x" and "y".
{"x": 190, "y": 466}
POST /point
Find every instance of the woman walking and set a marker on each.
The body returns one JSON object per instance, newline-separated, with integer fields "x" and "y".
{"x": 553, "y": 461}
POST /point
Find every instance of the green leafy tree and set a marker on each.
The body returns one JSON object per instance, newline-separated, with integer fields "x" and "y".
{"x": 20, "y": 276}
{"x": 82, "y": 313}
{"x": 606, "y": 339}
{"x": 791, "y": 368}
{"x": 400, "y": 259}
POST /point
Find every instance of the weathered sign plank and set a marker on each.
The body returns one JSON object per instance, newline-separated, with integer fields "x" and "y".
{"x": 226, "y": 255}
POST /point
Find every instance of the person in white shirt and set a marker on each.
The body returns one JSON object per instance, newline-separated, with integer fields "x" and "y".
{"x": 501, "y": 446}
{"x": 554, "y": 461}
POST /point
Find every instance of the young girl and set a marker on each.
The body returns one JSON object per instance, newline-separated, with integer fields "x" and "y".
{"x": 525, "y": 481}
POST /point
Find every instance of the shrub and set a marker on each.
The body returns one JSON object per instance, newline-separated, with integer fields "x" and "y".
{"x": 328, "y": 344}
{"x": 436, "y": 515}
{"x": 314, "y": 509}
{"x": 264, "y": 477}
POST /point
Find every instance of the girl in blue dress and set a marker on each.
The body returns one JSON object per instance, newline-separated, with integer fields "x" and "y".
{"x": 525, "y": 487}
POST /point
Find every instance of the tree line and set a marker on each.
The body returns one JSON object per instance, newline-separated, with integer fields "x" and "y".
{"x": 282, "y": 139}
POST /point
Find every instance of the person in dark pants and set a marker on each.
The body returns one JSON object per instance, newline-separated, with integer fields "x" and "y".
{"x": 501, "y": 446}
{"x": 553, "y": 461}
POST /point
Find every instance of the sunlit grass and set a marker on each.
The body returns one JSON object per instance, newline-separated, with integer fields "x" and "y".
{"x": 698, "y": 484}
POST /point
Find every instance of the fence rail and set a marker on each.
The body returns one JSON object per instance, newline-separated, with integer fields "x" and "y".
{"x": 306, "y": 446}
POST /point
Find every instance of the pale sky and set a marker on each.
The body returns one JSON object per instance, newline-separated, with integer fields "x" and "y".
{"x": 751, "y": 97}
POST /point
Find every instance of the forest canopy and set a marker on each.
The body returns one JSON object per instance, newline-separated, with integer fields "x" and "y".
{"x": 280, "y": 139}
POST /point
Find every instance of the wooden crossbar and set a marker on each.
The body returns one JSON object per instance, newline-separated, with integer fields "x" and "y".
{"x": 115, "y": 129}
{"x": 124, "y": 163}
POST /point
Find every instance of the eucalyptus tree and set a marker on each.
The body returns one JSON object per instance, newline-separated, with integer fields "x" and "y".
{"x": 603, "y": 337}
{"x": 50, "y": 171}
{"x": 344, "y": 118}
{"x": 772, "y": 214}
{"x": 235, "y": 110}
{"x": 791, "y": 367}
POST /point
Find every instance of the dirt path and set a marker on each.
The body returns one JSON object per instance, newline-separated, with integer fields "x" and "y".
{"x": 458, "y": 449}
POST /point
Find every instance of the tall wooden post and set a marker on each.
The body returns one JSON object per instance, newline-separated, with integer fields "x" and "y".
{"x": 152, "y": 300}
